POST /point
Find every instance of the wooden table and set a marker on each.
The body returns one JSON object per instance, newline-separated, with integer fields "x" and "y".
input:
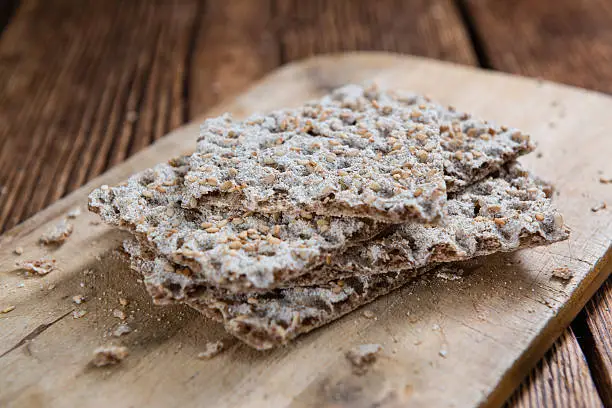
{"x": 85, "y": 84}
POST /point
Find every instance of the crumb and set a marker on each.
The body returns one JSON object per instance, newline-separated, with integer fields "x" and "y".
{"x": 363, "y": 356}
{"x": 87, "y": 272}
{"x": 119, "y": 314}
{"x": 599, "y": 207}
{"x": 122, "y": 329}
{"x": 123, "y": 301}
{"x": 443, "y": 353}
{"x": 18, "y": 251}
{"x": 435, "y": 327}
{"x": 77, "y": 314}
{"x": 39, "y": 267}
{"x": 212, "y": 349}
{"x": 7, "y": 309}
{"x": 450, "y": 276}
{"x": 21, "y": 285}
{"x": 78, "y": 299}
{"x": 109, "y": 355}
{"x": 604, "y": 180}
{"x": 75, "y": 212}
{"x": 58, "y": 234}
{"x": 563, "y": 273}
{"x": 369, "y": 314}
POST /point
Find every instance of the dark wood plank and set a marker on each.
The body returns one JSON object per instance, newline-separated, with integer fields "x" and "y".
{"x": 598, "y": 340}
{"x": 561, "y": 379}
{"x": 235, "y": 44}
{"x": 568, "y": 41}
{"x": 75, "y": 77}
{"x": 430, "y": 28}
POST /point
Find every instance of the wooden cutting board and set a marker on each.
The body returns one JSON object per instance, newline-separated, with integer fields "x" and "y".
{"x": 447, "y": 341}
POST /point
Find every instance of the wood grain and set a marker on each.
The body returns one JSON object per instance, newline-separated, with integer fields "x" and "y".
{"x": 564, "y": 41}
{"x": 104, "y": 91}
{"x": 128, "y": 83}
{"x": 567, "y": 41}
{"x": 429, "y": 28}
{"x": 561, "y": 379}
{"x": 495, "y": 323}
{"x": 598, "y": 340}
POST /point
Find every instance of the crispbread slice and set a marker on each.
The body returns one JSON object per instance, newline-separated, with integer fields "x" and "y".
{"x": 269, "y": 319}
{"x": 224, "y": 247}
{"x": 248, "y": 252}
{"x": 344, "y": 155}
{"x": 472, "y": 148}
{"x": 498, "y": 214}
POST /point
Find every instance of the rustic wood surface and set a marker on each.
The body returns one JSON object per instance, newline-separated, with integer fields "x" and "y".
{"x": 470, "y": 348}
{"x": 100, "y": 87}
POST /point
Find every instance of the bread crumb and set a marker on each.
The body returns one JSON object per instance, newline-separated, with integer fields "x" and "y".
{"x": 435, "y": 327}
{"x": 18, "y": 251}
{"x": 39, "y": 267}
{"x": 119, "y": 314}
{"x": 77, "y": 314}
{"x": 109, "y": 355}
{"x": 123, "y": 301}
{"x": 563, "y": 273}
{"x": 7, "y": 309}
{"x": 78, "y": 299}
{"x": 58, "y": 234}
{"x": 604, "y": 180}
{"x": 599, "y": 207}
{"x": 369, "y": 314}
{"x": 212, "y": 349}
{"x": 363, "y": 356}
{"x": 75, "y": 212}
{"x": 122, "y": 329}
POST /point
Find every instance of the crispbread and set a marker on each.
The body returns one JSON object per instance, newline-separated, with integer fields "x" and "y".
{"x": 221, "y": 246}
{"x": 496, "y": 214}
{"x": 269, "y": 319}
{"x": 347, "y": 154}
{"x": 473, "y": 148}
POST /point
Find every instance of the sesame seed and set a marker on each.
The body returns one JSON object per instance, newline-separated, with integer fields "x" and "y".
{"x": 418, "y": 192}
{"x": 500, "y": 222}
{"x": 422, "y": 155}
{"x": 212, "y": 230}
{"x": 226, "y": 185}
{"x": 235, "y": 245}
{"x": 206, "y": 225}
{"x": 539, "y": 217}
{"x": 211, "y": 181}
{"x": 274, "y": 240}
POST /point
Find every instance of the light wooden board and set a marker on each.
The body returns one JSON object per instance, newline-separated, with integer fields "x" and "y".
{"x": 494, "y": 323}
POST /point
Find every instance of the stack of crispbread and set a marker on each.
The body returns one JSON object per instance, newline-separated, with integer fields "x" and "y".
{"x": 284, "y": 222}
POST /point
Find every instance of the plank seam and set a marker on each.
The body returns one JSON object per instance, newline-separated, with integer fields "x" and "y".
{"x": 473, "y": 34}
